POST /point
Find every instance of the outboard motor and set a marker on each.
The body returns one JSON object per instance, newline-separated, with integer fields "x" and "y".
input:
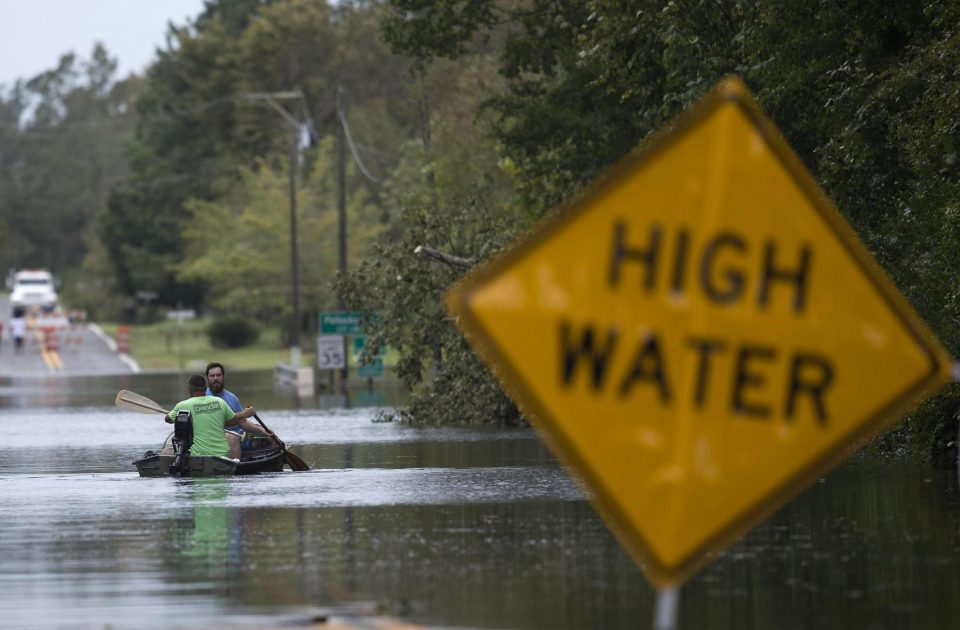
{"x": 182, "y": 440}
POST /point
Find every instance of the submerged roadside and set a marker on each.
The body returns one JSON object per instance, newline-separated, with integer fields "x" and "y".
{"x": 170, "y": 345}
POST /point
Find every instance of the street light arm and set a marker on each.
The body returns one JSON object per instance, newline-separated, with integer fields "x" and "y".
{"x": 272, "y": 97}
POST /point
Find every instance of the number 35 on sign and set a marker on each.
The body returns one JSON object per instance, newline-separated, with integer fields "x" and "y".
{"x": 330, "y": 354}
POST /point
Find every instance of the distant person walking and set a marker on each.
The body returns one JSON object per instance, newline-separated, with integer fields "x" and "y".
{"x": 18, "y": 330}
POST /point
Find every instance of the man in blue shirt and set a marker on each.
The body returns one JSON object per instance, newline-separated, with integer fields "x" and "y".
{"x": 236, "y": 435}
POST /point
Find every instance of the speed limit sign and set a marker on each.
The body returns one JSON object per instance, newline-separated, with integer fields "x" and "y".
{"x": 330, "y": 352}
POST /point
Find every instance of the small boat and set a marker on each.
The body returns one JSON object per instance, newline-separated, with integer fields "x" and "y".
{"x": 174, "y": 459}
{"x": 251, "y": 462}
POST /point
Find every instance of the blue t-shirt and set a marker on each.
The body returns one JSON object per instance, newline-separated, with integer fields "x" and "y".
{"x": 231, "y": 399}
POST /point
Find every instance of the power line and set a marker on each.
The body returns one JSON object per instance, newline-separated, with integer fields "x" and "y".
{"x": 353, "y": 147}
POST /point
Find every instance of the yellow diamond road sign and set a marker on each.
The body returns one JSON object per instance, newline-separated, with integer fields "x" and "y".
{"x": 699, "y": 335}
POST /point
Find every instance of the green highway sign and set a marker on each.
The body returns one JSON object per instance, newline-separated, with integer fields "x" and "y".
{"x": 365, "y": 370}
{"x": 342, "y": 322}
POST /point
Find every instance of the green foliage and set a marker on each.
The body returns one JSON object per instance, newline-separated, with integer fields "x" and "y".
{"x": 239, "y": 245}
{"x": 186, "y": 114}
{"x": 92, "y": 286}
{"x": 867, "y": 95}
{"x": 205, "y": 124}
{"x": 931, "y": 432}
{"x": 232, "y": 332}
{"x": 81, "y": 193}
{"x": 490, "y": 113}
{"x": 185, "y": 344}
{"x": 424, "y": 28}
{"x": 449, "y": 385}
{"x": 448, "y": 192}
{"x": 61, "y": 139}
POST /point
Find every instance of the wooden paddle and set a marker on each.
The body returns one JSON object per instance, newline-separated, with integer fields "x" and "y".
{"x": 293, "y": 461}
{"x": 132, "y": 401}
{"x": 135, "y": 402}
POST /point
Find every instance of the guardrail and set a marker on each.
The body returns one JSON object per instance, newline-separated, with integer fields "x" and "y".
{"x": 301, "y": 378}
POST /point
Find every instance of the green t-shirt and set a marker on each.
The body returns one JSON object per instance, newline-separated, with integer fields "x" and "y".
{"x": 209, "y": 415}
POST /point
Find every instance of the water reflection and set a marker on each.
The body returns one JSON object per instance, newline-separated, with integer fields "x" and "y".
{"x": 200, "y": 546}
{"x": 256, "y": 387}
{"x": 466, "y": 528}
{"x": 873, "y": 545}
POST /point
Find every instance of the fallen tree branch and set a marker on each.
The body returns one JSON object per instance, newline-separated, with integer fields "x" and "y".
{"x": 436, "y": 255}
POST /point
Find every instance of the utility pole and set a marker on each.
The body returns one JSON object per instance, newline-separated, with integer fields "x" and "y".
{"x": 342, "y": 215}
{"x": 342, "y": 188}
{"x": 272, "y": 99}
{"x": 295, "y": 353}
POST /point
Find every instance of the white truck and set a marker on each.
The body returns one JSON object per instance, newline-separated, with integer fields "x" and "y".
{"x": 33, "y": 288}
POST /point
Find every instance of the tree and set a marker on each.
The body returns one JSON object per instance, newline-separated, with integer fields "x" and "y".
{"x": 184, "y": 116}
{"x": 60, "y": 141}
{"x": 448, "y": 191}
{"x": 865, "y": 94}
{"x": 200, "y": 133}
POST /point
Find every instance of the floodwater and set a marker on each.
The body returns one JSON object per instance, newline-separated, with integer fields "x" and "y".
{"x": 442, "y": 527}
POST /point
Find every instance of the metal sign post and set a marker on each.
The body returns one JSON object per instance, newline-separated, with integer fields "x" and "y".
{"x": 181, "y": 315}
{"x": 343, "y": 324}
{"x": 665, "y": 612}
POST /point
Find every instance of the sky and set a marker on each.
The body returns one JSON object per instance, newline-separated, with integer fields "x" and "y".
{"x": 35, "y": 33}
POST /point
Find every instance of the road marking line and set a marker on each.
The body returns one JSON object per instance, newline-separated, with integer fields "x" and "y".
{"x": 127, "y": 359}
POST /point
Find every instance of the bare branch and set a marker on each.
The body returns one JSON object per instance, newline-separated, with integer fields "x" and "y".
{"x": 436, "y": 255}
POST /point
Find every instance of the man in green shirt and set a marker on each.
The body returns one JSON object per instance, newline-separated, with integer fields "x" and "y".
{"x": 210, "y": 416}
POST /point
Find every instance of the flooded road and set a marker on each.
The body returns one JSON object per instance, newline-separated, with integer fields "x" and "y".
{"x": 56, "y": 345}
{"x": 442, "y": 527}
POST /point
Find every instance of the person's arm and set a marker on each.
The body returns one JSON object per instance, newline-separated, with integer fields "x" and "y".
{"x": 256, "y": 427}
{"x": 239, "y": 417}
{"x": 252, "y": 427}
